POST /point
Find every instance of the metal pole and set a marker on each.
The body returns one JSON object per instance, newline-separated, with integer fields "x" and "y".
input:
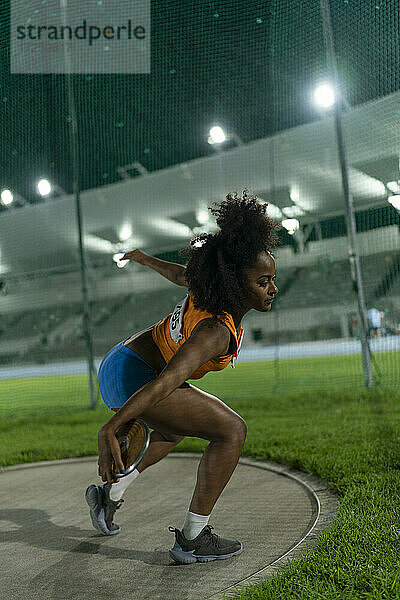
{"x": 351, "y": 224}
{"x": 272, "y": 73}
{"x": 76, "y": 192}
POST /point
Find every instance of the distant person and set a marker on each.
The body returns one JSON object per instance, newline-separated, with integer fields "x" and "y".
{"x": 354, "y": 325}
{"x": 383, "y": 328}
{"x": 375, "y": 322}
{"x": 228, "y": 273}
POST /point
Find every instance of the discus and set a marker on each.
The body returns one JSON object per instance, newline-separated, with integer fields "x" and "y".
{"x": 134, "y": 439}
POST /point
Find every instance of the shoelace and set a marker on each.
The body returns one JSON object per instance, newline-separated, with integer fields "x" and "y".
{"x": 213, "y": 536}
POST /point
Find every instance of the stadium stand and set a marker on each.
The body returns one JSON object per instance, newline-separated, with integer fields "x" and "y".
{"x": 315, "y": 302}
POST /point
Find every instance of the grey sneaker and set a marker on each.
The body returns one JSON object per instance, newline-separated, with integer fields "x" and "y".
{"x": 205, "y": 547}
{"x": 102, "y": 508}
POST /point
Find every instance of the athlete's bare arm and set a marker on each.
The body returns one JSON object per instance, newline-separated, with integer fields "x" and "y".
{"x": 210, "y": 338}
{"x": 172, "y": 271}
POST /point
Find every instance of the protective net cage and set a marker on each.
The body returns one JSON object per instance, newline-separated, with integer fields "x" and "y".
{"x": 133, "y": 151}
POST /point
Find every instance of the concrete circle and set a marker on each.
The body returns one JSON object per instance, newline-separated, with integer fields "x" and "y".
{"x": 51, "y": 551}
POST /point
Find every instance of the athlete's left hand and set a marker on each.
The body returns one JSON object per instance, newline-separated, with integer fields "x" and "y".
{"x": 109, "y": 452}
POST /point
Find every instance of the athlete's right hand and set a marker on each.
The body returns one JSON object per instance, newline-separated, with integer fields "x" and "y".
{"x": 109, "y": 452}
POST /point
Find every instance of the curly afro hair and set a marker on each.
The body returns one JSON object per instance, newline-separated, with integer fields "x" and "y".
{"x": 215, "y": 269}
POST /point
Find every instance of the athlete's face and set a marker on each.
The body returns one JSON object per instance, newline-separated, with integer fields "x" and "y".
{"x": 261, "y": 289}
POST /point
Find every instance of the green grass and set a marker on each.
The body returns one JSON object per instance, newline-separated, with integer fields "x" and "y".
{"x": 60, "y": 394}
{"x": 349, "y": 438}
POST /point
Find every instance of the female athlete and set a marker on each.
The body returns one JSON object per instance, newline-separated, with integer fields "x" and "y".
{"x": 227, "y": 274}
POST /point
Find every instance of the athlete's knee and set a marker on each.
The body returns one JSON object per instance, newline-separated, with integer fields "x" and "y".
{"x": 236, "y": 431}
{"x": 241, "y": 429}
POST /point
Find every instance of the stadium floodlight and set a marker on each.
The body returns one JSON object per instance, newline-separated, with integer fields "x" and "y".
{"x": 117, "y": 259}
{"x": 217, "y": 135}
{"x": 44, "y": 187}
{"x": 394, "y": 201}
{"x": 324, "y": 96}
{"x": 291, "y": 225}
{"x": 7, "y": 197}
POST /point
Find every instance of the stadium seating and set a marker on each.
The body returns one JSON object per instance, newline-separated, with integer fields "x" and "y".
{"x": 314, "y": 303}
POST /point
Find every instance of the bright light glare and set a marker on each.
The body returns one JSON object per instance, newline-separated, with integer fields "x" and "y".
{"x": 217, "y": 135}
{"x": 292, "y": 211}
{"x": 169, "y": 227}
{"x": 394, "y": 201}
{"x": 274, "y": 211}
{"x": 291, "y": 225}
{"x": 202, "y": 216}
{"x": 324, "y": 96}
{"x": 6, "y": 197}
{"x": 393, "y": 186}
{"x": 125, "y": 232}
{"x": 44, "y": 187}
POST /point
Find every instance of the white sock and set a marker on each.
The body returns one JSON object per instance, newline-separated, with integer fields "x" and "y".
{"x": 194, "y": 524}
{"x": 117, "y": 489}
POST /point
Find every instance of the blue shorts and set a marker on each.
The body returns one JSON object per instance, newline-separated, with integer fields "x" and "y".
{"x": 121, "y": 373}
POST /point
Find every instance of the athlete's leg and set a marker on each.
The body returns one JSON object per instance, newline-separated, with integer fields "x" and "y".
{"x": 121, "y": 373}
{"x": 192, "y": 412}
{"x": 160, "y": 445}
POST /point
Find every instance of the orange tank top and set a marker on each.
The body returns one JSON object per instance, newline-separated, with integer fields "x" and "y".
{"x": 173, "y": 331}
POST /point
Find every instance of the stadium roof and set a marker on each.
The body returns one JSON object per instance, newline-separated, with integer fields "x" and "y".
{"x": 249, "y": 67}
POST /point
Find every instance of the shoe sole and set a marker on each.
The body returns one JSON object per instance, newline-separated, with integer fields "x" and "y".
{"x": 97, "y": 517}
{"x": 187, "y": 558}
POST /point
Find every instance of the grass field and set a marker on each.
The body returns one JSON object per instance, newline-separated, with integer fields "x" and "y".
{"x": 57, "y": 394}
{"x": 348, "y": 438}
